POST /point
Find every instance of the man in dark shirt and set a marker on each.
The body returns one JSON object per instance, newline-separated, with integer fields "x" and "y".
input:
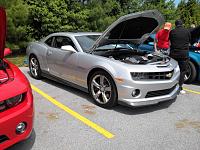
{"x": 179, "y": 49}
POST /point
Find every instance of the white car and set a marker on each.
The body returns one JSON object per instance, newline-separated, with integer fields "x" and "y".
{"x": 110, "y": 68}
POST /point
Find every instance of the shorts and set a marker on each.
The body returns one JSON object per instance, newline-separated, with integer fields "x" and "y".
{"x": 164, "y": 51}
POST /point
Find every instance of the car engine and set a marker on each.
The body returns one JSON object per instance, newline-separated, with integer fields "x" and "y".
{"x": 133, "y": 56}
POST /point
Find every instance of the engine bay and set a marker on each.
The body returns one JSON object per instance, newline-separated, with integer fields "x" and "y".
{"x": 133, "y": 56}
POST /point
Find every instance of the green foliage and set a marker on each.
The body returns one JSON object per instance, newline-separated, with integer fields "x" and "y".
{"x": 17, "y": 18}
{"x": 101, "y": 14}
{"x": 189, "y": 12}
{"x": 34, "y": 19}
{"x": 53, "y": 16}
{"x": 166, "y": 7}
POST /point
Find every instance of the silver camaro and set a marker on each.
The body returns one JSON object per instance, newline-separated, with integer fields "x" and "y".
{"x": 109, "y": 65}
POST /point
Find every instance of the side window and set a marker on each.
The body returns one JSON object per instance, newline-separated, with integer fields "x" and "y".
{"x": 49, "y": 41}
{"x": 62, "y": 41}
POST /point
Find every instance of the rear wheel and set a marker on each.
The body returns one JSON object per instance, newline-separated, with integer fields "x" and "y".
{"x": 103, "y": 90}
{"x": 191, "y": 73}
{"x": 34, "y": 67}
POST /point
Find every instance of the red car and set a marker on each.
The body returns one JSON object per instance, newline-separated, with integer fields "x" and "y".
{"x": 16, "y": 99}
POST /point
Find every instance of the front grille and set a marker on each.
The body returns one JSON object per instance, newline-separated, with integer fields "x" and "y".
{"x": 160, "y": 92}
{"x": 3, "y": 138}
{"x": 152, "y": 75}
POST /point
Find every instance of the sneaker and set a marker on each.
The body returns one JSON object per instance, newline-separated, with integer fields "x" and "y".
{"x": 182, "y": 92}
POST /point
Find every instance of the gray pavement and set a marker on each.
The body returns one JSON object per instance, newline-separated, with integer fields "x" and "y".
{"x": 172, "y": 125}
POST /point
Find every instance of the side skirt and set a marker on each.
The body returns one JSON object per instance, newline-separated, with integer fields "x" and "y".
{"x": 57, "y": 79}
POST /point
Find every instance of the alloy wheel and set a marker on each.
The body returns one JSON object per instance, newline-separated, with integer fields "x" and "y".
{"x": 101, "y": 89}
{"x": 34, "y": 66}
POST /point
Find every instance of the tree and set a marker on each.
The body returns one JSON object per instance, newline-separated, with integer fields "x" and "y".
{"x": 17, "y": 16}
{"x": 55, "y": 16}
{"x": 166, "y": 7}
{"x": 189, "y": 12}
{"x": 102, "y": 13}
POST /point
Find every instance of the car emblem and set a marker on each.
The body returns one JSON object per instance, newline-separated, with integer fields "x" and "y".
{"x": 169, "y": 75}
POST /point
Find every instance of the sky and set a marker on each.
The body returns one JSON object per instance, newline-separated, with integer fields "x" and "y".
{"x": 177, "y": 1}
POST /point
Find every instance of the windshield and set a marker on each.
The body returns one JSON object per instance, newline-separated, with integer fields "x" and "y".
{"x": 86, "y": 41}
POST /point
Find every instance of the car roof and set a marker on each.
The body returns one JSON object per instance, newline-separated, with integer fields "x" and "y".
{"x": 76, "y": 33}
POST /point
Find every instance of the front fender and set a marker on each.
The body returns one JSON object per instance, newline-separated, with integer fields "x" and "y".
{"x": 195, "y": 58}
{"x": 88, "y": 62}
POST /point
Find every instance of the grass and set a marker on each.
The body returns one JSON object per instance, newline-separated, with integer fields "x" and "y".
{"x": 17, "y": 59}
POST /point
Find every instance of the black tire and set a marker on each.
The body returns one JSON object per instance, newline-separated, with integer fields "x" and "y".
{"x": 38, "y": 69}
{"x": 111, "y": 85}
{"x": 191, "y": 73}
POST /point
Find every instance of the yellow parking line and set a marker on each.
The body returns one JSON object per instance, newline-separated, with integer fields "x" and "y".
{"x": 91, "y": 124}
{"x": 191, "y": 91}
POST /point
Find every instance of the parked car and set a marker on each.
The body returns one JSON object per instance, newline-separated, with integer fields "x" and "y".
{"x": 16, "y": 100}
{"x": 193, "y": 69}
{"x": 109, "y": 68}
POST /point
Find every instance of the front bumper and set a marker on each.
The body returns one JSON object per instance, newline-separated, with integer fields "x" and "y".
{"x": 9, "y": 119}
{"x": 166, "y": 89}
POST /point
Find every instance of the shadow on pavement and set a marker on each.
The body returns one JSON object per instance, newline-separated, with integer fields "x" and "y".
{"x": 194, "y": 83}
{"x": 70, "y": 89}
{"x": 119, "y": 108}
{"x": 26, "y": 144}
{"x": 144, "y": 109}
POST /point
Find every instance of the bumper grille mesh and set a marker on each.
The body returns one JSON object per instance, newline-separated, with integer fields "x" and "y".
{"x": 160, "y": 92}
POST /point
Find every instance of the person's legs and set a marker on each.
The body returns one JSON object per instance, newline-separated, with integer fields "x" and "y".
{"x": 182, "y": 65}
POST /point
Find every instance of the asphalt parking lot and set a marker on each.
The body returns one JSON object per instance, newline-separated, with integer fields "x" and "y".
{"x": 67, "y": 118}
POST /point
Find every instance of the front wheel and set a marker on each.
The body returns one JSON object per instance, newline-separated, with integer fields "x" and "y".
{"x": 34, "y": 67}
{"x": 191, "y": 73}
{"x": 103, "y": 90}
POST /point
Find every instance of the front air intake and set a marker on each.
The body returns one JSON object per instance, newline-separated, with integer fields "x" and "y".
{"x": 3, "y": 138}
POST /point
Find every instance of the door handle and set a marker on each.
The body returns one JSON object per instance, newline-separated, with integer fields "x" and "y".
{"x": 49, "y": 53}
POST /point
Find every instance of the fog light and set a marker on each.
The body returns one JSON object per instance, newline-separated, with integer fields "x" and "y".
{"x": 21, "y": 127}
{"x": 135, "y": 92}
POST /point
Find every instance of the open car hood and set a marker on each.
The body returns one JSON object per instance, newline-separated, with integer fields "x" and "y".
{"x": 2, "y": 31}
{"x": 134, "y": 28}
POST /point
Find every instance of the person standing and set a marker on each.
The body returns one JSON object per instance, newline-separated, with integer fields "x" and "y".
{"x": 161, "y": 43}
{"x": 180, "y": 39}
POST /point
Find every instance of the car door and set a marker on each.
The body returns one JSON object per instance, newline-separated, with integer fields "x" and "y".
{"x": 61, "y": 62}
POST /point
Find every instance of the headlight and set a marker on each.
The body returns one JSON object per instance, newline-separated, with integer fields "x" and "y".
{"x": 138, "y": 75}
{"x": 11, "y": 102}
{"x": 14, "y": 101}
{"x": 2, "y": 106}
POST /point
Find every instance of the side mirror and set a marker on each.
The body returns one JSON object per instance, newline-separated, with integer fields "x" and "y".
{"x": 68, "y": 48}
{"x": 7, "y": 52}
